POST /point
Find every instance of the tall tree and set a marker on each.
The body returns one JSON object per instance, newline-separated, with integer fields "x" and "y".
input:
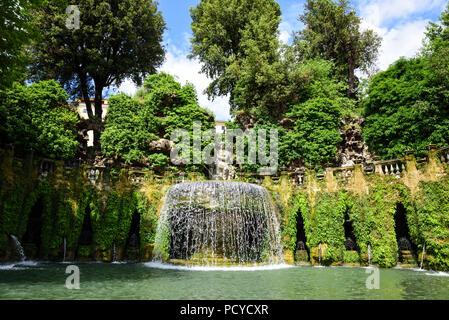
{"x": 16, "y": 31}
{"x": 224, "y": 34}
{"x": 114, "y": 40}
{"x": 333, "y": 32}
{"x": 437, "y": 47}
{"x": 406, "y": 105}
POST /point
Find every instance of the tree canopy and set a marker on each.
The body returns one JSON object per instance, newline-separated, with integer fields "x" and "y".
{"x": 16, "y": 32}
{"x": 115, "y": 40}
{"x": 333, "y": 33}
{"x": 161, "y": 107}
{"x": 226, "y": 32}
{"x": 39, "y": 117}
{"x": 406, "y": 106}
{"x": 405, "y": 110}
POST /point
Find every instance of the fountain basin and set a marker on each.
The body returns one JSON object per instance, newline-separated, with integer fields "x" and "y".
{"x": 218, "y": 222}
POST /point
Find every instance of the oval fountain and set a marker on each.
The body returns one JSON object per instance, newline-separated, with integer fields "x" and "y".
{"x": 218, "y": 224}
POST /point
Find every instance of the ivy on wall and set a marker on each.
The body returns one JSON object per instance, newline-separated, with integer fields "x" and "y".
{"x": 432, "y": 223}
{"x": 373, "y": 220}
{"x": 65, "y": 197}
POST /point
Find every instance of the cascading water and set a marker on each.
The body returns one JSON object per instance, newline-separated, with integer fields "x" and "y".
{"x": 114, "y": 253}
{"x": 65, "y": 249}
{"x": 218, "y": 223}
{"x": 319, "y": 254}
{"x": 422, "y": 256}
{"x": 19, "y": 248}
{"x": 369, "y": 254}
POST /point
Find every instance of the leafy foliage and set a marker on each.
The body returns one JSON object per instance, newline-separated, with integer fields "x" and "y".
{"x": 17, "y": 31}
{"x": 313, "y": 101}
{"x": 333, "y": 33}
{"x": 225, "y": 33}
{"x": 404, "y": 110}
{"x": 432, "y": 224}
{"x": 160, "y": 108}
{"x": 437, "y": 48}
{"x": 115, "y": 40}
{"x": 38, "y": 117}
{"x": 315, "y": 134}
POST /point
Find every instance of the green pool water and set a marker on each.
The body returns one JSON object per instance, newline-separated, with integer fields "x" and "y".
{"x": 147, "y": 281}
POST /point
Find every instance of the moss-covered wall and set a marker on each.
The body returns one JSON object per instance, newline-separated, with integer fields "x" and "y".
{"x": 369, "y": 200}
{"x": 66, "y": 195}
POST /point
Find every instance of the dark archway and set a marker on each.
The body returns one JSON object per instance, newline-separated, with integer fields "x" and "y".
{"x": 350, "y": 239}
{"x": 403, "y": 233}
{"x": 132, "y": 246}
{"x": 32, "y": 240}
{"x": 87, "y": 234}
{"x": 301, "y": 238}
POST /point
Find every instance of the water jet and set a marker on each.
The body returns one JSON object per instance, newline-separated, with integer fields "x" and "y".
{"x": 218, "y": 223}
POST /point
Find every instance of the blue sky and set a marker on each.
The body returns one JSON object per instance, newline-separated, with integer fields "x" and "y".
{"x": 401, "y": 23}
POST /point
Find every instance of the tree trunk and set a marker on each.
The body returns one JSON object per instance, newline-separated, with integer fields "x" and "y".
{"x": 98, "y": 119}
{"x": 352, "y": 79}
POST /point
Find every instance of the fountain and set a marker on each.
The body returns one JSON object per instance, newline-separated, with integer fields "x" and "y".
{"x": 18, "y": 247}
{"x": 114, "y": 253}
{"x": 319, "y": 253}
{"x": 422, "y": 256}
{"x": 404, "y": 244}
{"x": 369, "y": 254}
{"x": 300, "y": 246}
{"x": 218, "y": 223}
{"x": 65, "y": 249}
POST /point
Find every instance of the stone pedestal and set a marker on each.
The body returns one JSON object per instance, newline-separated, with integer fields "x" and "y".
{"x": 147, "y": 252}
{"x": 288, "y": 257}
{"x": 301, "y": 256}
{"x": 103, "y": 255}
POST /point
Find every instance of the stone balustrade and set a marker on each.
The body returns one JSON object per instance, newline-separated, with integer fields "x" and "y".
{"x": 297, "y": 178}
{"x": 395, "y": 167}
{"x": 443, "y": 155}
{"x": 343, "y": 175}
{"x": 390, "y": 167}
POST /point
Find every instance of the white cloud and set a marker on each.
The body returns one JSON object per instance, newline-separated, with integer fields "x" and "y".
{"x": 128, "y": 87}
{"x": 402, "y": 40}
{"x": 379, "y": 12}
{"x": 187, "y": 70}
{"x": 285, "y": 32}
{"x": 400, "y": 23}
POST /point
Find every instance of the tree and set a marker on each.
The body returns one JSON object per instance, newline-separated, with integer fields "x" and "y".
{"x": 224, "y": 34}
{"x": 161, "y": 107}
{"x": 17, "y": 31}
{"x": 406, "y": 106}
{"x": 311, "y": 103}
{"x": 115, "y": 40}
{"x": 39, "y": 117}
{"x": 267, "y": 90}
{"x": 405, "y": 109}
{"x": 333, "y": 33}
{"x": 316, "y": 115}
{"x": 437, "y": 48}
